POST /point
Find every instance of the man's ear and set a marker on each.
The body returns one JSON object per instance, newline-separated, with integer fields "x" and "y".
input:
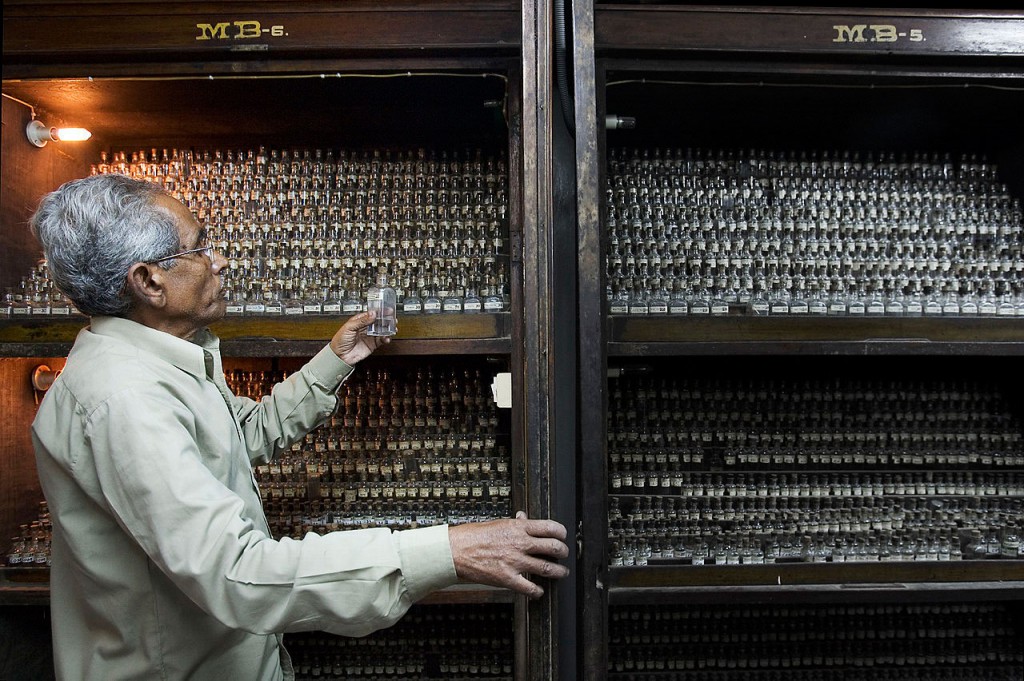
{"x": 147, "y": 284}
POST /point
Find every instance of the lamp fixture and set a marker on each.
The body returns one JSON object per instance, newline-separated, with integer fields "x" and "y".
{"x": 39, "y": 134}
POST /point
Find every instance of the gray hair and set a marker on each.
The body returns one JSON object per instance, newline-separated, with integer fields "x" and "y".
{"x": 94, "y": 229}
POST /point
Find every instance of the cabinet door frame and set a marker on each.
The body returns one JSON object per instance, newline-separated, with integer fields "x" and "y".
{"x": 986, "y": 44}
{"x": 59, "y": 40}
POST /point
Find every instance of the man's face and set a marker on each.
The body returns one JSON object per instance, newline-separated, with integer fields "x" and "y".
{"x": 193, "y": 289}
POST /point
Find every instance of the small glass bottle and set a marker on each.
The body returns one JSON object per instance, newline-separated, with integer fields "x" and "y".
{"x": 915, "y": 302}
{"x": 254, "y": 305}
{"x": 798, "y": 303}
{"x": 895, "y": 303}
{"x": 856, "y": 301}
{"x": 817, "y": 301}
{"x": 7, "y": 304}
{"x": 60, "y": 306}
{"x": 472, "y": 303}
{"x": 875, "y": 303}
{"x": 39, "y": 304}
{"x": 451, "y": 300}
{"x": 677, "y": 303}
{"x": 312, "y": 304}
{"x": 619, "y": 301}
{"x": 272, "y": 305}
{"x": 950, "y": 300}
{"x": 969, "y": 301}
{"x": 837, "y": 300}
{"x": 758, "y": 304}
{"x": 382, "y": 299}
{"x": 657, "y": 303}
{"x": 638, "y": 300}
{"x": 411, "y": 302}
{"x": 431, "y": 301}
{"x": 236, "y": 301}
{"x": 778, "y": 301}
{"x": 332, "y": 303}
{"x": 351, "y": 304}
{"x": 491, "y": 300}
{"x": 933, "y": 302}
{"x": 292, "y": 302}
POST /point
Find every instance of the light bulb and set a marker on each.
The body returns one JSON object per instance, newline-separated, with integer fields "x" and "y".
{"x": 39, "y": 134}
{"x": 71, "y": 134}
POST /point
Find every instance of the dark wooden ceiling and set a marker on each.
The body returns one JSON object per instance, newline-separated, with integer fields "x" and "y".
{"x": 330, "y": 111}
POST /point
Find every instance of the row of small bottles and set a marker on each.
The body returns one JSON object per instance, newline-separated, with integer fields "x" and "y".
{"x": 430, "y": 643}
{"x": 311, "y": 170}
{"x": 661, "y": 517}
{"x": 839, "y": 165}
{"x": 643, "y": 478}
{"x": 31, "y": 548}
{"x": 482, "y": 289}
{"x": 474, "y": 293}
{"x": 673, "y": 422}
{"x": 296, "y": 517}
{"x": 307, "y": 231}
{"x": 435, "y": 401}
{"x": 36, "y": 296}
{"x": 681, "y": 452}
{"x": 407, "y": 447}
{"x": 941, "y": 642}
{"x": 713, "y": 232}
{"x": 407, "y": 189}
{"x": 813, "y": 536}
{"x": 774, "y": 458}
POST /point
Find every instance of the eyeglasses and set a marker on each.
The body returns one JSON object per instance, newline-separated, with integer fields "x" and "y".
{"x": 206, "y": 250}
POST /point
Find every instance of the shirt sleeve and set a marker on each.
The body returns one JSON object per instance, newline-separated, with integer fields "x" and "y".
{"x": 294, "y": 407}
{"x": 193, "y": 528}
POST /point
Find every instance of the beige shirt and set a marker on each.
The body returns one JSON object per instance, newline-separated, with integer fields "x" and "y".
{"x": 163, "y": 563}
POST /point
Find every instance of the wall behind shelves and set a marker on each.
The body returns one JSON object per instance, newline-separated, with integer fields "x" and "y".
{"x": 27, "y": 173}
{"x": 20, "y": 492}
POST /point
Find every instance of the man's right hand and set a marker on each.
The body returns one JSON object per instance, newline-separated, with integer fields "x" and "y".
{"x": 503, "y": 552}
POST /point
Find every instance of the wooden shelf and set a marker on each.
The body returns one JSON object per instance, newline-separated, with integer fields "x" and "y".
{"x": 288, "y": 336}
{"x": 25, "y": 586}
{"x": 801, "y": 335}
{"x": 993, "y": 579}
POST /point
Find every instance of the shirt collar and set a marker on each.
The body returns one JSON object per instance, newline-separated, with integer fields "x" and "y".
{"x": 188, "y": 355}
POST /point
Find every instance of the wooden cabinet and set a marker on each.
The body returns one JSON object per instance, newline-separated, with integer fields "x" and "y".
{"x": 364, "y": 79}
{"x": 739, "y": 92}
{"x": 685, "y": 100}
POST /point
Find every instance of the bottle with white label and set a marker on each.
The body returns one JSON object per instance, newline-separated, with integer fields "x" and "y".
{"x": 351, "y": 304}
{"x": 472, "y": 304}
{"x": 431, "y": 301}
{"x": 382, "y": 299}
{"x": 411, "y": 301}
{"x": 7, "y": 304}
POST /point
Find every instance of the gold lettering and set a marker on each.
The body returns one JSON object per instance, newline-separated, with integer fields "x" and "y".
{"x": 884, "y": 33}
{"x": 208, "y": 31}
{"x": 850, "y": 34}
{"x": 247, "y": 29}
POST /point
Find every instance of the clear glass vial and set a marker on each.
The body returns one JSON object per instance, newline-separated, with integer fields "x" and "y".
{"x": 382, "y": 299}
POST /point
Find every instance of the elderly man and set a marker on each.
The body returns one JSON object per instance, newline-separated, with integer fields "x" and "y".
{"x": 163, "y": 563}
